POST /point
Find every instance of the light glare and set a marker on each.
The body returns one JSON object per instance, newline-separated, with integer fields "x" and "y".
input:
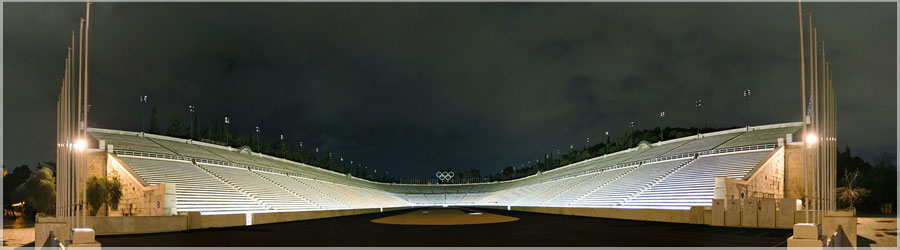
{"x": 811, "y": 138}
{"x": 80, "y": 145}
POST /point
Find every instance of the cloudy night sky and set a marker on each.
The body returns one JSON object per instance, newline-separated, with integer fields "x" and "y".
{"x": 417, "y": 87}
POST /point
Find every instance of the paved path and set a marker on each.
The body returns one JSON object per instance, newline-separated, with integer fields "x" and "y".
{"x": 17, "y": 237}
{"x": 532, "y": 229}
{"x": 877, "y": 231}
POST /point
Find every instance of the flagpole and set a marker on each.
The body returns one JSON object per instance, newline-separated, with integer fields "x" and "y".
{"x": 803, "y": 112}
{"x": 86, "y": 55}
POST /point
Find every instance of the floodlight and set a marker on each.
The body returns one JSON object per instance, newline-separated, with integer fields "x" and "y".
{"x": 80, "y": 145}
{"x": 811, "y": 138}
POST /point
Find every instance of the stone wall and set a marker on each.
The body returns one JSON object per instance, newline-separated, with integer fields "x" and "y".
{"x": 660, "y": 215}
{"x": 794, "y": 186}
{"x": 139, "y": 199}
{"x": 766, "y": 180}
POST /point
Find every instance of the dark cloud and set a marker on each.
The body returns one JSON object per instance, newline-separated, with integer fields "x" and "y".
{"x": 416, "y": 87}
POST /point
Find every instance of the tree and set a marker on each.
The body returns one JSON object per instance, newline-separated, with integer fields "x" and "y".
{"x": 12, "y": 181}
{"x": 208, "y": 130}
{"x": 154, "y": 121}
{"x": 114, "y": 189}
{"x": 175, "y": 129}
{"x": 40, "y": 191}
{"x": 97, "y": 193}
{"x": 850, "y": 193}
{"x": 102, "y": 191}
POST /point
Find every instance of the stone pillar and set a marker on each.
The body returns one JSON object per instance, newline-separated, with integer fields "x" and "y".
{"x": 720, "y": 188}
{"x": 786, "y": 213}
{"x": 834, "y": 219}
{"x": 83, "y": 239}
{"x": 718, "y": 212}
{"x": 733, "y": 212}
{"x": 697, "y": 215}
{"x": 42, "y": 231}
{"x": 169, "y": 200}
{"x": 807, "y": 235}
{"x": 767, "y": 213}
{"x": 750, "y": 214}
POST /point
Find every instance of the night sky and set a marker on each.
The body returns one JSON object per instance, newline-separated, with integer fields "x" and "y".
{"x": 417, "y": 87}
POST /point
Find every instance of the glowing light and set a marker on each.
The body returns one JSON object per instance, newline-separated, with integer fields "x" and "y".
{"x": 811, "y": 138}
{"x": 80, "y": 145}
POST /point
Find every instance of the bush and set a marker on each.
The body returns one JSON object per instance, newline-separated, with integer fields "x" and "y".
{"x": 97, "y": 193}
{"x": 102, "y": 191}
{"x": 38, "y": 192}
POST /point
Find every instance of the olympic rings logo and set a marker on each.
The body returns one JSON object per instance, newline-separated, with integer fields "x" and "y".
{"x": 444, "y": 176}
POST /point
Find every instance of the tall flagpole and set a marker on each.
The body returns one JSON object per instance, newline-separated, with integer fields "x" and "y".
{"x": 816, "y": 130}
{"x": 83, "y": 132}
{"x": 85, "y": 105}
{"x": 805, "y": 115}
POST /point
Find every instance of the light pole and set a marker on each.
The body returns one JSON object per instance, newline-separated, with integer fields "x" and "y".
{"x": 226, "y": 130}
{"x": 257, "y": 138}
{"x": 661, "y": 116}
{"x": 143, "y": 100}
{"x": 698, "y": 104}
{"x": 607, "y": 136}
{"x": 747, "y": 96}
{"x": 191, "y": 108}
{"x": 630, "y": 135}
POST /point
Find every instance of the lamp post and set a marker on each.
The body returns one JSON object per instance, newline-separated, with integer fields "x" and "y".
{"x": 143, "y": 100}
{"x": 747, "y": 96}
{"x": 630, "y": 135}
{"x": 191, "y": 109}
{"x": 698, "y": 104}
{"x": 227, "y": 134}
{"x": 607, "y": 136}
{"x": 661, "y": 116}
{"x": 257, "y": 138}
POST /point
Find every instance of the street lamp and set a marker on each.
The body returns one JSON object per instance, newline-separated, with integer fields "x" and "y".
{"x": 811, "y": 138}
{"x": 257, "y": 138}
{"x": 191, "y": 108}
{"x": 747, "y": 96}
{"x": 143, "y": 99}
{"x": 607, "y": 136}
{"x": 226, "y": 130}
{"x": 80, "y": 145}
{"x": 661, "y": 116}
{"x": 698, "y": 104}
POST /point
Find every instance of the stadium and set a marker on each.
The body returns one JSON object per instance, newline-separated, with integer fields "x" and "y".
{"x": 707, "y": 179}
{"x": 765, "y": 184}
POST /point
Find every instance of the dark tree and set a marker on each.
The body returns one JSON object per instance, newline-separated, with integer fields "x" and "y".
{"x": 154, "y": 121}
{"x": 175, "y": 129}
